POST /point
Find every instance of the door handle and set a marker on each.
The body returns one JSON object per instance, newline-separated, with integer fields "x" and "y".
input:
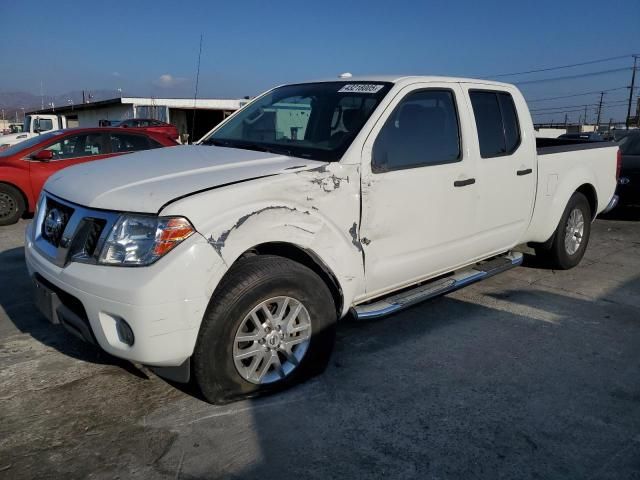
{"x": 526, "y": 171}
{"x": 464, "y": 183}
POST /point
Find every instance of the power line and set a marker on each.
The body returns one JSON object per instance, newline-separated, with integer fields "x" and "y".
{"x": 565, "y": 111}
{"x": 612, "y": 103}
{"x": 571, "y": 77}
{"x": 566, "y": 106}
{"x": 562, "y": 112}
{"x": 548, "y": 69}
{"x": 590, "y": 107}
{"x": 575, "y": 95}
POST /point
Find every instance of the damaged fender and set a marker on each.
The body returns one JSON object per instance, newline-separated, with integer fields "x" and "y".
{"x": 316, "y": 210}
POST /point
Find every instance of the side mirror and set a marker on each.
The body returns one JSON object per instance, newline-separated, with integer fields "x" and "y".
{"x": 43, "y": 155}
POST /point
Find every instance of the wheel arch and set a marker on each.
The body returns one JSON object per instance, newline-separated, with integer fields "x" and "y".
{"x": 25, "y": 199}
{"x": 303, "y": 256}
{"x": 589, "y": 191}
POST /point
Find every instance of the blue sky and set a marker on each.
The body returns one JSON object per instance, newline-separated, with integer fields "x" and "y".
{"x": 150, "y": 48}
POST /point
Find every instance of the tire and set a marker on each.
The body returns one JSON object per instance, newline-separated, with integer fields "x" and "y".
{"x": 250, "y": 283}
{"x": 564, "y": 253}
{"x": 12, "y": 205}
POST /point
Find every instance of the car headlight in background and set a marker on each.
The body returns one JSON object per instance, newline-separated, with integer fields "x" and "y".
{"x": 143, "y": 239}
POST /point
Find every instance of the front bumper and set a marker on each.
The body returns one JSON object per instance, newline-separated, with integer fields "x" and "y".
{"x": 163, "y": 303}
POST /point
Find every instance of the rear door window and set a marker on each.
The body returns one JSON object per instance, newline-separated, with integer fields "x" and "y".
{"x": 496, "y": 123}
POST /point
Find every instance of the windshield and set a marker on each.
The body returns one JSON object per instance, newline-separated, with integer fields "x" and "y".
{"x": 27, "y": 124}
{"x": 18, "y": 147}
{"x": 310, "y": 120}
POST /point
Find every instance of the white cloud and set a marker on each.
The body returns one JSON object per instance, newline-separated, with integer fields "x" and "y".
{"x": 115, "y": 74}
{"x": 167, "y": 80}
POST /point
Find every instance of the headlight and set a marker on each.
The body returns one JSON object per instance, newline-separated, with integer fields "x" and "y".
{"x": 143, "y": 239}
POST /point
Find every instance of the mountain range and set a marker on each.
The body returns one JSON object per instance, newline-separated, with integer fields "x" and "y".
{"x": 13, "y": 102}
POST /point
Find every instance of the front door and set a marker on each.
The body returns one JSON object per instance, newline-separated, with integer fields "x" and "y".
{"x": 419, "y": 189}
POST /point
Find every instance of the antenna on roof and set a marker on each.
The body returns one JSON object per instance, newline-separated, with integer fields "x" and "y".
{"x": 195, "y": 95}
{"x": 345, "y": 75}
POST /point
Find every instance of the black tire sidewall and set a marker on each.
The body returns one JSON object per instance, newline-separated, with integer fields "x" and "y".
{"x": 19, "y": 201}
{"x": 214, "y": 369}
{"x": 562, "y": 258}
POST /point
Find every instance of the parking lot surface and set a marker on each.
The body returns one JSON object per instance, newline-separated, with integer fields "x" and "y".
{"x": 532, "y": 374}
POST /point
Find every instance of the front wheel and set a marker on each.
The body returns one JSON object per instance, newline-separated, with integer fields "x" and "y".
{"x": 571, "y": 236}
{"x": 270, "y": 324}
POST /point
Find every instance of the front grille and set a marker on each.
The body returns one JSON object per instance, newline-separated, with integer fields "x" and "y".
{"x": 86, "y": 238}
{"x": 56, "y": 217}
{"x": 93, "y": 236}
{"x": 68, "y": 232}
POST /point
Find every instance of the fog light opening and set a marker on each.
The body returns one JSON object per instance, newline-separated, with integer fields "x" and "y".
{"x": 125, "y": 334}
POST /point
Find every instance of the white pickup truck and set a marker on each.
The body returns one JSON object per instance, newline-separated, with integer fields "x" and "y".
{"x": 34, "y": 125}
{"x": 230, "y": 262}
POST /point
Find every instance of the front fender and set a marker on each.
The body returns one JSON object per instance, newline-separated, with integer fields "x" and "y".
{"x": 317, "y": 211}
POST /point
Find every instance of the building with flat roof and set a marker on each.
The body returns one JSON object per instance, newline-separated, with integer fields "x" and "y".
{"x": 181, "y": 112}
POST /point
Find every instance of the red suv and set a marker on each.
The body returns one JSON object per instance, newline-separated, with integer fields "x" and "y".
{"x": 150, "y": 125}
{"x": 26, "y": 166}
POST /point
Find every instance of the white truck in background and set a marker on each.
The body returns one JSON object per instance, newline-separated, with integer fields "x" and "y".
{"x": 34, "y": 124}
{"x": 230, "y": 262}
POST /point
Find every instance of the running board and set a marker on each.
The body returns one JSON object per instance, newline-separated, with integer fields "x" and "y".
{"x": 399, "y": 301}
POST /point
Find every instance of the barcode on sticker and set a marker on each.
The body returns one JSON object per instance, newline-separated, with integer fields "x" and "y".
{"x": 360, "y": 88}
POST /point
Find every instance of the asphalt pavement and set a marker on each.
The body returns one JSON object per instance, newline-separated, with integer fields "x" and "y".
{"x": 533, "y": 374}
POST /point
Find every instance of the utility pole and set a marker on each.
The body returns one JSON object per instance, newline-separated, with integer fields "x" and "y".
{"x": 599, "y": 111}
{"x": 566, "y": 118}
{"x": 633, "y": 84}
{"x": 585, "y": 115}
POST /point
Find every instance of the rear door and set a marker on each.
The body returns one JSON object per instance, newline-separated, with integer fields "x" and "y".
{"x": 419, "y": 189}
{"x": 67, "y": 151}
{"x": 506, "y": 158}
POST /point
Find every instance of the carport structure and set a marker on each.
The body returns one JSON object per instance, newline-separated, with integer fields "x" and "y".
{"x": 181, "y": 112}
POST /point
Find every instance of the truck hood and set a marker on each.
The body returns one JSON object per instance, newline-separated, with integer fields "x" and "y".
{"x": 13, "y": 138}
{"x": 146, "y": 181}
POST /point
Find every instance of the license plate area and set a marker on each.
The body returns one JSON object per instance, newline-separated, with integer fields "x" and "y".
{"x": 47, "y": 302}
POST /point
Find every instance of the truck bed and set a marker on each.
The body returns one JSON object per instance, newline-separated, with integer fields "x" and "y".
{"x": 546, "y": 146}
{"x": 561, "y": 164}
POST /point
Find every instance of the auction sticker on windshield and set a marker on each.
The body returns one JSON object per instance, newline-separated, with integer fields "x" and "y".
{"x": 360, "y": 88}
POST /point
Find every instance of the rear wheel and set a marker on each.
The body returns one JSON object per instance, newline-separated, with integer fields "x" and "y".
{"x": 571, "y": 236}
{"x": 12, "y": 205}
{"x": 270, "y": 325}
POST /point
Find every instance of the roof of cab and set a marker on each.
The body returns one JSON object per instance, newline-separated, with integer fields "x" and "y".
{"x": 411, "y": 79}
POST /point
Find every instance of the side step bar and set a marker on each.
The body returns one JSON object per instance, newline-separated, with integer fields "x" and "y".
{"x": 399, "y": 301}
